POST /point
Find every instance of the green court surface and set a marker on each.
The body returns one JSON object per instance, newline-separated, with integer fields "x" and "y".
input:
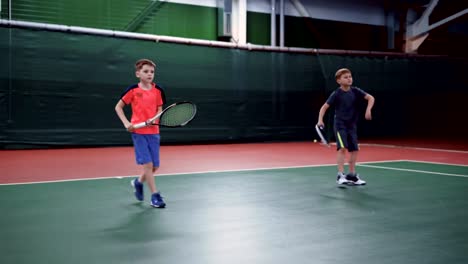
{"x": 295, "y": 215}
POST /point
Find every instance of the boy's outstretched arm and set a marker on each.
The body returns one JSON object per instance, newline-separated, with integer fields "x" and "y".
{"x": 322, "y": 112}
{"x": 370, "y": 103}
{"x": 119, "y": 110}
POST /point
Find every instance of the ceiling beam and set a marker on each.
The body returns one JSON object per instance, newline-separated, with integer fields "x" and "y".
{"x": 418, "y": 31}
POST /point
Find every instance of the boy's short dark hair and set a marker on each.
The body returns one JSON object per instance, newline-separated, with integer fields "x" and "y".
{"x": 341, "y": 72}
{"x": 140, "y": 63}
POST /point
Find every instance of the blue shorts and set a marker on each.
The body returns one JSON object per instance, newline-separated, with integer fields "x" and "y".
{"x": 146, "y": 148}
{"x": 346, "y": 136}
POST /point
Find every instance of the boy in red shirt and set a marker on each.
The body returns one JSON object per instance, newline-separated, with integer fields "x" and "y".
{"x": 146, "y": 100}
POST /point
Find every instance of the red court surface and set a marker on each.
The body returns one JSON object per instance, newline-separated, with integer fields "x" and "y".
{"x": 21, "y": 166}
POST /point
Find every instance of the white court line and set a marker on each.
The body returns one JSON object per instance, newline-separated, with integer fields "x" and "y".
{"x": 439, "y": 163}
{"x": 414, "y": 161}
{"x": 414, "y": 148}
{"x": 411, "y": 170}
{"x": 380, "y": 161}
{"x": 170, "y": 174}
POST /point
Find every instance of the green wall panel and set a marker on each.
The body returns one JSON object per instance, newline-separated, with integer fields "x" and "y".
{"x": 258, "y": 28}
{"x": 4, "y": 9}
{"x": 186, "y": 21}
{"x": 164, "y": 19}
{"x": 107, "y": 14}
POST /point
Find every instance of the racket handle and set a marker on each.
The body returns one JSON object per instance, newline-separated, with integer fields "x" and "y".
{"x": 139, "y": 125}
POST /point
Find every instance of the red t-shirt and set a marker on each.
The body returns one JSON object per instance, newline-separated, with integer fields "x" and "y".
{"x": 145, "y": 105}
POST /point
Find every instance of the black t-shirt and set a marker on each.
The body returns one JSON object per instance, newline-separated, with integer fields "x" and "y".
{"x": 346, "y": 104}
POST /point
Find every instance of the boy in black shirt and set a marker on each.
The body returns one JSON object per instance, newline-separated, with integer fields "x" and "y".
{"x": 345, "y": 100}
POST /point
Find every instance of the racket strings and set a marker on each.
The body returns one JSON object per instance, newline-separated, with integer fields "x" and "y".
{"x": 178, "y": 115}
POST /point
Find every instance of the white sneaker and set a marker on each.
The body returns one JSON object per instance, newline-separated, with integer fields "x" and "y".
{"x": 355, "y": 180}
{"x": 341, "y": 179}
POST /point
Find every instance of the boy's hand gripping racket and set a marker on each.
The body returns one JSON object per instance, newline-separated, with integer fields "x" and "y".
{"x": 321, "y": 134}
{"x": 176, "y": 115}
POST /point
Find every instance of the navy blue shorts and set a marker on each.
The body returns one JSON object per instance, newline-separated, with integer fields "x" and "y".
{"x": 146, "y": 148}
{"x": 346, "y": 137}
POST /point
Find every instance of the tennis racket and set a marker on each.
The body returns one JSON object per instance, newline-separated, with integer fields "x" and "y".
{"x": 321, "y": 134}
{"x": 176, "y": 115}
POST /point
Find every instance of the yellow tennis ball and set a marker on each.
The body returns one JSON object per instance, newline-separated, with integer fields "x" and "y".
{"x": 315, "y": 141}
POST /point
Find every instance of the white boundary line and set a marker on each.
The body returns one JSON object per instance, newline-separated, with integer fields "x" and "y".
{"x": 415, "y": 148}
{"x": 170, "y": 174}
{"x": 440, "y": 163}
{"x": 415, "y": 161}
{"x": 411, "y": 170}
{"x": 379, "y": 161}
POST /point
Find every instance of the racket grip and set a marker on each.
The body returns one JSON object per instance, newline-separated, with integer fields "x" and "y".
{"x": 139, "y": 125}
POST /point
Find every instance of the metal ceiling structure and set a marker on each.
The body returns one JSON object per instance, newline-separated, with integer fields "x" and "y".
{"x": 433, "y": 26}
{"x": 427, "y": 26}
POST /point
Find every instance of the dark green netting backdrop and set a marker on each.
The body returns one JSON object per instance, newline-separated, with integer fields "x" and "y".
{"x": 58, "y": 88}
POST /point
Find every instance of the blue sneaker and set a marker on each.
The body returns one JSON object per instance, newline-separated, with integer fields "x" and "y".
{"x": 157, "y": 200}
{"x": 138, "y": 186}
